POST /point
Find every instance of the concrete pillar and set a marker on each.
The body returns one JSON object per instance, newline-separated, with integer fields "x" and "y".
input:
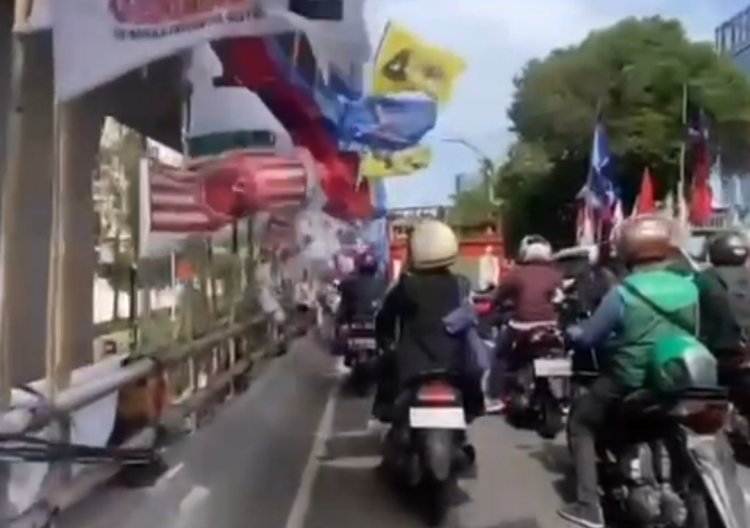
{"x": 26, "y": 213}
{"x": 6, "y": 23}
{"x": 81, "y": 124}
{"x": 27, "y": 216}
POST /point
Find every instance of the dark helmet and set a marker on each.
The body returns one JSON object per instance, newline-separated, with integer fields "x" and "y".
{"x": 645, "y": 239}
{"x": 366, "y": 262}
{"x": 728, "y": 249}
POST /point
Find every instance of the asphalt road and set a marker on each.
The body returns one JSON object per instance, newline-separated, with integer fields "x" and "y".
{"x": 296, "y": 452}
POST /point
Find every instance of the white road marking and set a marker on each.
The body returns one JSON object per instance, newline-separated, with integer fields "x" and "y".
{"x": 172, "y": 473}
{"x": 301, "y": 504}
{"x": 194, "y": 497}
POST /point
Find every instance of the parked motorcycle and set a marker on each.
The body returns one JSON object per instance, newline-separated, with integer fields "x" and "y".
{"x": 425, "y": 447}
{"x": 539, "y": 386}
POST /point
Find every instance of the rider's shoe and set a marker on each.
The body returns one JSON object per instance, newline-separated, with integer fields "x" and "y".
{"x": 492, "y": 406}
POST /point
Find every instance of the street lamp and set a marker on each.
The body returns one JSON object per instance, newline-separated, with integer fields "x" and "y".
{"x": 486, "y": 164}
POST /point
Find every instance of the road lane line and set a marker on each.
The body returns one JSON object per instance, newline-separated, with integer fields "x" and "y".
{"x": 301, "y": 504}
{"x": 169, "y": 475}
{"x": 194, "y": 498}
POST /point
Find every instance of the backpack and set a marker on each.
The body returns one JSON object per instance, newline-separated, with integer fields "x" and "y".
{"x": 679, "y": 361}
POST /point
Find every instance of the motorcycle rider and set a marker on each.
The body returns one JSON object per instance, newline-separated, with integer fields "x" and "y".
{"x": 410, "y": 328}
{"x": 625, "y": 327}
{"x": 597, "y": 278}
{"x": 530, "y": 289}
{"x": 725, "y": 309}
{"x": 361, "y": 291}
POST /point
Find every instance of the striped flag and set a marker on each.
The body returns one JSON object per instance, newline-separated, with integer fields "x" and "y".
{"x": 177, "y": 203}
{"x": 209, "y": 193}
{"x": 270, "y": 182}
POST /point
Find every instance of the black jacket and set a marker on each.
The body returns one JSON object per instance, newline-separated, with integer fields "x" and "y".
{"x": 412, "y": 319}
{"x": 723, "y": 321}
{"x": 361, "y": 296}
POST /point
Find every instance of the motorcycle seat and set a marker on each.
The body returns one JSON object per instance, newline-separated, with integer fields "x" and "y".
{"x": 532, "y": 325}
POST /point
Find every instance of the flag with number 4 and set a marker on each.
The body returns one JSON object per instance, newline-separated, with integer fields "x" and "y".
{"x": 406, "y": 63}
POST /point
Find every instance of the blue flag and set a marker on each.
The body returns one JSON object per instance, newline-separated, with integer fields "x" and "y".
{"x": 600, "y": 190}
{"x": 387, "y": 123}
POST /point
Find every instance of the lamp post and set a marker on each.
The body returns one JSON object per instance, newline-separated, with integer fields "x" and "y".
{"x": 486, "y": 165}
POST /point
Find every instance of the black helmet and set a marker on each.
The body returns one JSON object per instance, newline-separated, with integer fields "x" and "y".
{"x": 728, "y": 249}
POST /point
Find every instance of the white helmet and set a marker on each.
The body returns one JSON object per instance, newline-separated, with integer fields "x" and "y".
{"x": 537, "y": 252}
{"x": 433, "y": 245}
{"x": 527, "y": 242}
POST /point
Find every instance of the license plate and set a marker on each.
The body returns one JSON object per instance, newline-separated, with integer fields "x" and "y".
{"x": 360, "y": 343}
{"x": 553, "y": 368}
{"x": 437, "y": 418}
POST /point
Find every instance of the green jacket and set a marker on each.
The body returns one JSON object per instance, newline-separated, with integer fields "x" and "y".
{"x": 629, "y": 349}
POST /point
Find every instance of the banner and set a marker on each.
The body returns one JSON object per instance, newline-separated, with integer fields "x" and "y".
{"x": 399, "y": 163}
{"x": 96, "y": 41}
{"x": 406, "y": 63}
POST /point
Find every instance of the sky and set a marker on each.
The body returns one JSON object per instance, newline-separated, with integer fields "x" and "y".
{"x": 496, "y": 38}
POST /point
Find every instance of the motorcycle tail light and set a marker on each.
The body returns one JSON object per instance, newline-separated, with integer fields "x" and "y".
{"x": 437, "y": 393}
{"x": 703, "y": 417}
{"x": 483, "y": 308}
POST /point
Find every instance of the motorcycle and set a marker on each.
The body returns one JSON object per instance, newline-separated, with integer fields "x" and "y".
{"x": 664, "y": 462}
{"x": 360, "y": 351}
{"x": 540, "y": 382}
{"x": 425, "y": 447}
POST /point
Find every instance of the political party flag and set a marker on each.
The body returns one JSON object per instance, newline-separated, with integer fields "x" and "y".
{"x": 406, "y": 63}
{"x": 383, "y": 164}
{"x": 391, "y": 122}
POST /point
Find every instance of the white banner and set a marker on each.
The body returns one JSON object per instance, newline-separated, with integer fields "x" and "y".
{"x": 96, "y": 41}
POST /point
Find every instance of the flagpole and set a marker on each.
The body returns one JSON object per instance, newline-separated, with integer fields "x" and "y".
{"x": 683, "y": 152}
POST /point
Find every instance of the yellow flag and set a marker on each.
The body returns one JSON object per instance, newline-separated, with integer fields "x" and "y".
{"x": 406, "y": 63}
{"x": 399, "y": 163}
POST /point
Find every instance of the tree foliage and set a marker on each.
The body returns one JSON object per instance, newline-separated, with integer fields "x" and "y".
{"x": 633, "y": 76}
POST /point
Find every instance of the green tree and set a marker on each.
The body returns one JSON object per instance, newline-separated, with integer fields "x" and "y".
{"x": 633, "y": 74}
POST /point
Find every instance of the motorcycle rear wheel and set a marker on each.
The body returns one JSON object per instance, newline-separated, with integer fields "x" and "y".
{"x": 437, "y": 497}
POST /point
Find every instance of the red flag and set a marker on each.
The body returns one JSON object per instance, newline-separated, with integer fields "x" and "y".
{"x": 701, "y": 195}
{"x": 646, "y": 203}
{"x": 248, "y": 62}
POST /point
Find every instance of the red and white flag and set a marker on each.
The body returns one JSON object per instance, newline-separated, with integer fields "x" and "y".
{"x": 209, "y": 193}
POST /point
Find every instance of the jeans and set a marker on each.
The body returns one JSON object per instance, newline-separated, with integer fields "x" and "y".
{"x": 496, "y": 381}
{"x": 587, "y": 416}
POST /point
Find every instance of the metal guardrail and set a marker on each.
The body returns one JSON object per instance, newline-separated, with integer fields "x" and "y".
{"x": 222, "y": 355}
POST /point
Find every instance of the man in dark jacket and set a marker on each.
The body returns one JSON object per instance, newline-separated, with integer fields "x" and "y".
{"x": 596, "y": 279}
{"x": 410, "y": 325}
{"x": 725, "y": 308}
{"x": 362, "y": 292}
